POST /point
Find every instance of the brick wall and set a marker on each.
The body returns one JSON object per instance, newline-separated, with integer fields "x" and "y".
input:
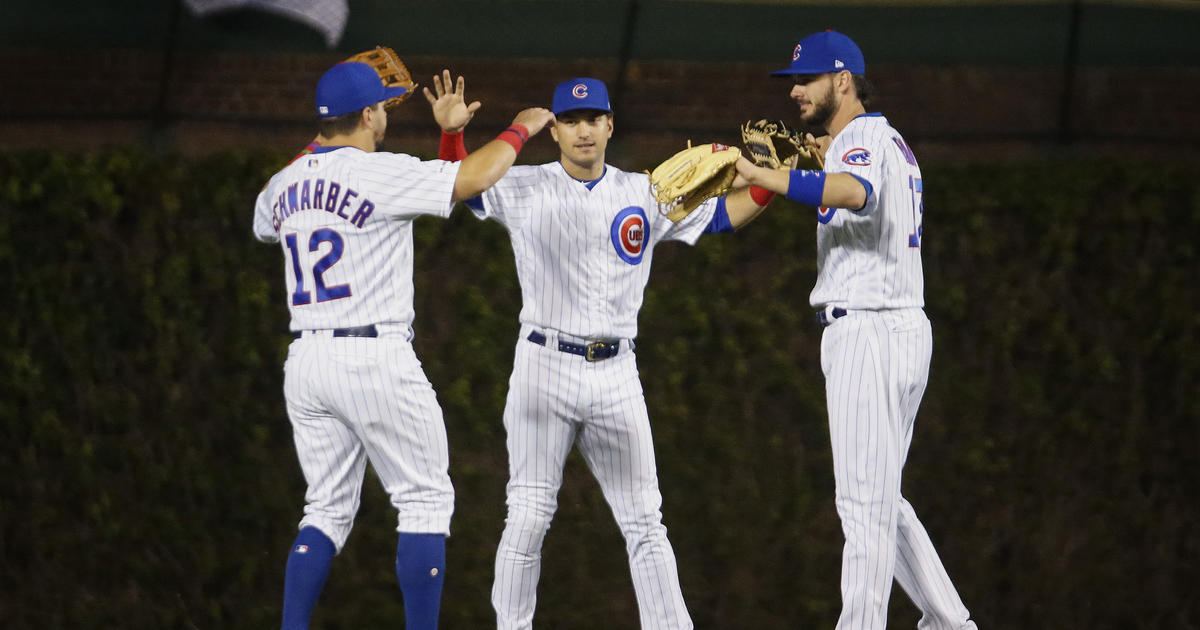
{"x": 222, "y": 100}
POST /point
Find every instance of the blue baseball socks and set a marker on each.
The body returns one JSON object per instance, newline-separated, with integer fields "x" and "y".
{"x": 421, "y": 570}
{"x": 307, "y": 568}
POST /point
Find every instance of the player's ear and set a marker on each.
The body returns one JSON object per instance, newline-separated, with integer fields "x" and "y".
{"x": 844, "y": 81}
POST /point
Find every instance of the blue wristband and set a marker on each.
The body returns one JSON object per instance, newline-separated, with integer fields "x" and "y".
{"x": 806, "y": 187}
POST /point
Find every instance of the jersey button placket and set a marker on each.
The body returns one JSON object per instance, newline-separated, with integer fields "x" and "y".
{"x": 593, "y": 264}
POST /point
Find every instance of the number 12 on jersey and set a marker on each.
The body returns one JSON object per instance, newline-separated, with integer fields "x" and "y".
{"x": 918, "y": 210}
{"x": 325, "y": 235}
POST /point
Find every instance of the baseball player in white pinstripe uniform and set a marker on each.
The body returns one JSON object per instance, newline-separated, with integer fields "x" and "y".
{"x": 355, "y": 390}
{"x": 583, "y": 234}
{"x": 877, "y": 342}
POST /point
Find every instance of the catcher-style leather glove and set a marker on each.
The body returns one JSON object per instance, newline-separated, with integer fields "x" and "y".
{"x": 772, "y": 145}
{"x": 686, "y": 179}
{"x": 390, "y": 69}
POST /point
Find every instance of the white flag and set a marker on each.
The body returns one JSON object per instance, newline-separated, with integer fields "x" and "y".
{"x": 327, "y": 16}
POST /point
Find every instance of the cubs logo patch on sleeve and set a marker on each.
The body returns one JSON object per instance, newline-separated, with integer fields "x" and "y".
{"x": 857, "y": 157}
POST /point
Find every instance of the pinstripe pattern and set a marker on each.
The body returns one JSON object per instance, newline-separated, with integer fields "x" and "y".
{"x": 876, "y": 365}
{"x": 571, "y": 278}
{"x": 352, "y": 400}
{"x": 577, "y": 284}
{"x": 343, "y": 218}
{"x": 377, "y": 259}
{"x": 864, "y": 258}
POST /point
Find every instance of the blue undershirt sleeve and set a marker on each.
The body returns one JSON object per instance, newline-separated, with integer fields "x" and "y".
{"x": 720, "y": 220}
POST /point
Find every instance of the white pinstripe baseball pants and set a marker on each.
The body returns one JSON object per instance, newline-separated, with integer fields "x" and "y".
{"x": 351, "y": 399}
{"x": 876, "y": 367}
{"x": 555, "y": 401}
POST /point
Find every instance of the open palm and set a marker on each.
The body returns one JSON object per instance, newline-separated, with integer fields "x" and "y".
{"x": 448, "y": 100}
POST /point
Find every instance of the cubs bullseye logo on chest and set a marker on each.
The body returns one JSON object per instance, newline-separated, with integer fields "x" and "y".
{"x": 629, "y": 233}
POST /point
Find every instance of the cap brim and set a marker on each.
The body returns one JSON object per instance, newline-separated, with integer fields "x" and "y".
{"x": 787, "y": 72}
{"x": 393, "y": 92}
{"x": 583, "y": 107}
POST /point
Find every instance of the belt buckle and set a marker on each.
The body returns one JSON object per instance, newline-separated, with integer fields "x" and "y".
{"x": 591, "y": 349}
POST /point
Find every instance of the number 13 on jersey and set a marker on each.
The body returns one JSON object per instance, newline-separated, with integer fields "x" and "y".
{"x": 918, "y": 210}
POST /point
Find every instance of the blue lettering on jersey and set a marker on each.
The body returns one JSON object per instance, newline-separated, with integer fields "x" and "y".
{"x": 917, "y": 186}
{"x": 297, "y": 197}
{"x": 825, "y": 215}
{"x": 907, "y": 152}
{"x": 305, "y": 200}
{"x": 318, "y": 192}
{"x": 331, "y": 201}
{"x": 346, "y": 203}
{"x": 293, "y": 198}
{"x": 629, "y": 233}
{"x": 364, "y": 210}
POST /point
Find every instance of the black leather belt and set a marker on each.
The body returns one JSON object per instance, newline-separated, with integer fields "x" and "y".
{"x": 593, "y": 351}
{"x": 357, "y": 331}
{"x": 826, "y": 319}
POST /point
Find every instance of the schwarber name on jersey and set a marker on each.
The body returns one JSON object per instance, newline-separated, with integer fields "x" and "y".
{"x": 590, "y": 287}
{"x": 870, "y": 259}
{"x": 344, "y": 219}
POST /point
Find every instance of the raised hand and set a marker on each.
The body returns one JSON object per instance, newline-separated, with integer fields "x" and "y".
{"x": 534, "y": 119}
{"x": 448, "y": 100}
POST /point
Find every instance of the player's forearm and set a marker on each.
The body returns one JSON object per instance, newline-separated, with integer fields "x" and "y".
{"x": 843, "y": 191}
{"x": 742, "y": 208}
{"x": 486, "y": 166}
{"x": 482, "y": 168}
{"x": 832, "y": 190}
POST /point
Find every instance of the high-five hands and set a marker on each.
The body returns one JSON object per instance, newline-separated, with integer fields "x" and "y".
{"x": 448, "y": 100}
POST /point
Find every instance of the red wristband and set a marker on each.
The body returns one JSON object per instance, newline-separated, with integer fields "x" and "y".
{"x": 452, "y": 147}
{"x": 520, "y": 129}
{"x": 761, "y": 196}
{"x": 515, "y": 136}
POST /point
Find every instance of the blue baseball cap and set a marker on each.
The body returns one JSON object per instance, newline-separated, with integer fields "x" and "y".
{"x": 827, "y": 51}
{"x": 351, "y": 86}
{"x": 581, "y": 93}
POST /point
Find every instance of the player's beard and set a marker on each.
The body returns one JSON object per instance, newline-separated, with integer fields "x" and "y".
{"x": 823, "y": 110}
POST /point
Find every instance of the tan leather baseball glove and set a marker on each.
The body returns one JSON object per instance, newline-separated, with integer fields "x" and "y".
{"x": 772, "y": 145}
{"x": 686, "y": 179}
{"x": 391, "y": 70}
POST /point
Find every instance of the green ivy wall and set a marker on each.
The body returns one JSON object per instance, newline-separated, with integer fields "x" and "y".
{"x": 150, "y": 482}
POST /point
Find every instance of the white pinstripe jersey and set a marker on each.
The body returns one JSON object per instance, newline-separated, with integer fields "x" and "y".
{"x": 344, "y": 218}
{"x": 583, "y": 256}
{"x": 870, "y": 259}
